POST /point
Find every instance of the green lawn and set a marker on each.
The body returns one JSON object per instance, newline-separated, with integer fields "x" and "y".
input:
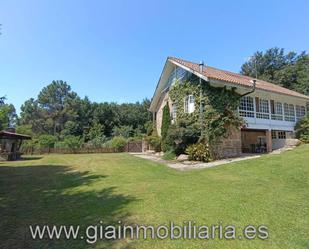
{"x": 84, "y": 189}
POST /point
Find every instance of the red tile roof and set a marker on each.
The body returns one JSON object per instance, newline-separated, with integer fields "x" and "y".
{"x": 238, "y": 79}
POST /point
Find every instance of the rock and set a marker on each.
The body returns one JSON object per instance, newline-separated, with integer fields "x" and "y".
{"x": 182, "y": 157}
{"x": 159, "y": 154}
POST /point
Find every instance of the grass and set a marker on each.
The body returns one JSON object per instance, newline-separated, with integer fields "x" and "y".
{"x": 84, "y": 189}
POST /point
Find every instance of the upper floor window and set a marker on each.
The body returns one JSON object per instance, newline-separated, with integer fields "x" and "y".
{"x": 262, "y": 108}
{"x": 300, "y": 112}
{"x": 289, "y": 113}
{"x": 177, "y": 74}
{"x": 189, "y": 104}
{"x": 276, "y": 110}
{"x": 246, "y": 107}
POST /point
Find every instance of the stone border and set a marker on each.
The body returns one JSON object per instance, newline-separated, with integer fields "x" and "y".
{"x": 188, "y": 165}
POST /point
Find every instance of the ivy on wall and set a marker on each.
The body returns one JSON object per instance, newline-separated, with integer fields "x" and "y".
{"x": 219, "y": 107}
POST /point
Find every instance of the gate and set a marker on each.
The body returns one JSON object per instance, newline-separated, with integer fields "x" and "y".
{"x": 134, "y": 146}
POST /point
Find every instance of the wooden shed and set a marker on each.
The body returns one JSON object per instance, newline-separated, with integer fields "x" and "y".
{"x": 10, "y": 143}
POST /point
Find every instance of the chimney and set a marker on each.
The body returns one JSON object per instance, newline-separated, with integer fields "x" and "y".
{"x": 201, "y": 65}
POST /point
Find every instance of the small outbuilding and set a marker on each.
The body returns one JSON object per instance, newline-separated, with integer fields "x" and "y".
{"x": 10, "y": 143}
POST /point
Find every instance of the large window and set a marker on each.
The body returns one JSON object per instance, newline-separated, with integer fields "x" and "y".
{"x": 177, "y": 74}
{"x": 246, "y": 107}
{"x": 277, "y": 111}
{"x": 189, "y": 104}
{"x": 300, "y": 112}
{"x": 289, "y": 113}
{"x": 263, "y": 109}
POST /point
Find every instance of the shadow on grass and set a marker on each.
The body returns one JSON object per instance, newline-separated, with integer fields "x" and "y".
{"x": 54, "y": 195}
{"x": 29, "y": 158}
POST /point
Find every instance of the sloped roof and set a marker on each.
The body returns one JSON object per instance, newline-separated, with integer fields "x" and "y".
{"x": 237, "y": 79}
{"x": 8, "y": 135}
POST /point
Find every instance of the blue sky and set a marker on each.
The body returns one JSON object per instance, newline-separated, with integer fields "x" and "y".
{"x": 115, "y": 50}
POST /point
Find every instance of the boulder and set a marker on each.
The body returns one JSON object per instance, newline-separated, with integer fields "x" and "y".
{"x": 182, "y": 157}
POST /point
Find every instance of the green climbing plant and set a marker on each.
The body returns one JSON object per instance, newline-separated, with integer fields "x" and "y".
{"x": 219, "y": 106}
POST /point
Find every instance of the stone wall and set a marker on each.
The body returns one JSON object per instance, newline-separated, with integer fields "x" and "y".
{"x": 229, "y": 146}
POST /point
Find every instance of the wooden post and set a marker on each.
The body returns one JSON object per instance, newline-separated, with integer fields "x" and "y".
{"x": 269, "y": 141}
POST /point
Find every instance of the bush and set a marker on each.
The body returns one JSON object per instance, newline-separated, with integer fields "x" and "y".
{"x": 117, "y": 143}
{"x": 46, "y": 141}
{"x": 125, "y": 131}
{"x": 72, "y": 142}
{"x": 155, "y": 142}
{"x": 302, "y": 130}
{"x": 199, "y": 152}
{"x": 181, "y": 135}
{"x": 96, "y": 142}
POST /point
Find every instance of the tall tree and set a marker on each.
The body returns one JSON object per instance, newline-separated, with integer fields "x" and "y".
{"x": 56, "y": 101}
{"x": 7, "y": 114}
{"x": 289, "y": 70}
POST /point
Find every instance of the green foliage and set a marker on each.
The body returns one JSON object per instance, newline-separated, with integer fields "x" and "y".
{"x": 302, "y": 130}
{"x": 46, "y": 141}
{"x": 182, "y": 134}
{"x": 289, "y": 70}
{"x": 70, "y": 142}
{"x": 155, "y": 142}
{"x": 199, "y": 152}
{"x": 61, "y": 112}
{"x": 169, "y": 155}
{"x": 7, "y": 114}
{"x": 124, "y": 131}
{"x": 166, "y": 121}
{"x": 219, "y": 105}
{"x": 117, "y": 143}
{"x": 149, "y": 127}
{"x": 25, "y": 129}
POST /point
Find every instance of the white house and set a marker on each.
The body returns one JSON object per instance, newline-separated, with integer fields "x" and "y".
{"x": 270, "y": 111}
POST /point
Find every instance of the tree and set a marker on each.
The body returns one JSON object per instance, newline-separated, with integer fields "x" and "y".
{"x": 57, "y": 105}
{"x": 7, "y": 114}
{"x": 47, "y": 141}
{"x": 289, "y": 70}
{"x": 166, "y": 121}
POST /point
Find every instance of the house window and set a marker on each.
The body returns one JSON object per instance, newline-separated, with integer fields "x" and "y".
{"x": 189, "y": 104}
{"x": 278, "y": 111}
{"x": 174, "y": 112}
{"x": 273, "y": 134}
{"x": 263, "y": 109}
{"x": 281, "y": 135}
{"x": 289, "y": 113}
{"x": 246, "y": 107}
{"x": 300, "y": 112}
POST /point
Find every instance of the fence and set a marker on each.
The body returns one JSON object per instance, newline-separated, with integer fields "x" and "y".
{"x": 131, "y": 146}
{"x": 31, "y": 151}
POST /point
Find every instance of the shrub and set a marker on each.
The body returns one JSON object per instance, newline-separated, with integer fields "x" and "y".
{"x": 46, "y": 141}
{"x": 97, "y": 142}
{"x": 125, "y": 131}
{"x": 166, "y": 120}
{"x": 181, "y": 135}
{"x": 302, "y": 130}
{"x": 199, "y": 152}
{"x": 155, "y": 142}
{"x": 72, "y": 142}
{"x": 117, "y": 143}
